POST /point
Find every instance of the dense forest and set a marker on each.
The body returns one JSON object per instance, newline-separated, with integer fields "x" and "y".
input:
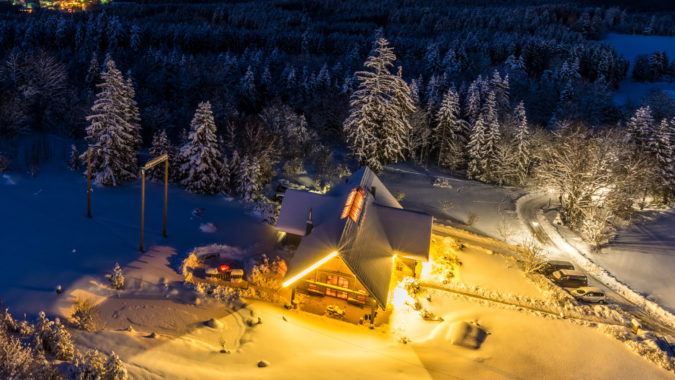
{"x": 256, "y": 89}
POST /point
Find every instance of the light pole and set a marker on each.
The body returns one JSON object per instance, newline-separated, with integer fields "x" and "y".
{"x": 154, "y": 162}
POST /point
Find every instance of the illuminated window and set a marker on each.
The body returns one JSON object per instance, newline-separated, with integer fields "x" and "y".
{"x": 354, "y": 204}
{"x": 340, "y": 281}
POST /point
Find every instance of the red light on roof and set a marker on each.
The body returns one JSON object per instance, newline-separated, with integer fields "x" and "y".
{"x": 224, "y": 268}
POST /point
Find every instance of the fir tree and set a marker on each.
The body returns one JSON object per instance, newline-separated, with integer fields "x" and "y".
{"x": 492, "y": 136}
{"x": 247, "y": 181}
{"x": 640, "y": 126}
{"x": 523, "y": 150}
{"x": 473, "y": 102}
{"x": 160, "y": 146}
{"x": 664, "y": 156}
{"x": 115, "y": 369}
{"x": 476, "y": 151}
{"x": 113, "y": 130}
{"x": 450, "y": 131}
{"x": 200, "y": 158}
{"x": 378, "y": 124}
{"x": 225, "y": 176}
{"x": 74, "y": 162}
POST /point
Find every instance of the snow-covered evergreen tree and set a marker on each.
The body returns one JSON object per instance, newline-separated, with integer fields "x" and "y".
{"x": 117, "y": 277}
{"x": 476, "y": 152}
{"x": 473, "y": 102}
{"x": 640, "y": 127}
{"x": 247, "y": 181}
{"x": 200, "y": 158}
{"x": 378, "y": 124}
{"x": 74, "y": 161}
{"x": 115, "y": 368}
{"x": 664, "y": 156}
{"x": 522, "y": 141}
{"x": 502, "y": 92}
{"x": 492, "y": 135}
{"x": 225, "y": 176}
{"x": 161, "y": 145}
{"x": 113, "y": 130}
{"x": 450, "y": 132}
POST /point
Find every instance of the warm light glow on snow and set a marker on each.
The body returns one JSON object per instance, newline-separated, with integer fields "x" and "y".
{"x": 309, "y": 269}
{"x": 400, "y": 297}
{"x": 426, "y": 270}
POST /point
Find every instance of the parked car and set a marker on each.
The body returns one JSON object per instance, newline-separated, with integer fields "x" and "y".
{"x": 553, "y": 265}
{"x": 569, "y": 278}
{"x": 589, "y": 294}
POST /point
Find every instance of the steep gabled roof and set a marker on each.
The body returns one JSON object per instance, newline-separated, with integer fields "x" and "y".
{"x": 367, "y": 243}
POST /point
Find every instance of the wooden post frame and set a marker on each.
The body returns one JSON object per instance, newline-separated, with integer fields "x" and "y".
{"x": 154, "y": 162}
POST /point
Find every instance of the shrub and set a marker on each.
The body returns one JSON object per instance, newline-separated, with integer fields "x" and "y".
{"x": 266, "y": 276}
{"x": 85, "y": 315}
{"x": 117, "y": 277}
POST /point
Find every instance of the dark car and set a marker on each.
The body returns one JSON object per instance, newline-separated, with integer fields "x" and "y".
{"x": 551, "y": 266}
{"x": 569, "y": 278}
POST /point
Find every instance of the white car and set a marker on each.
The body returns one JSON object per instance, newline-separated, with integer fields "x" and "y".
{"x": 589, "y": 294}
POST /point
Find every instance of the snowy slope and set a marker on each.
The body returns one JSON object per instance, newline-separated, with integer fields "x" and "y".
{"x": 46, "y": 238}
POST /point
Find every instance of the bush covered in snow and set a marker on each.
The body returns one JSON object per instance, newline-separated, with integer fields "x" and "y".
{"x": 85, "y": 314}
{"x": 117, "y": 277}
{"x": 444, "y": 260}
{"x": 266, "y": 277}
{"x": 644, "y": 345}
{"x": 530, "y": 255}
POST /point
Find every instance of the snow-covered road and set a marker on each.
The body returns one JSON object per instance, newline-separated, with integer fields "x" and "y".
{"x": 652, "y": 315}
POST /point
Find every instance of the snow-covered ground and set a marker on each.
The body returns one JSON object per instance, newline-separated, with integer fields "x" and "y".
{"x": 47, "y": 239}
{"x": 630, "y": 46}
{"x": 643, "y": 255}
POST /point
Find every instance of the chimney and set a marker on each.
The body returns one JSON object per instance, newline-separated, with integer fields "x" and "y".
{"x": 309, "y": 225}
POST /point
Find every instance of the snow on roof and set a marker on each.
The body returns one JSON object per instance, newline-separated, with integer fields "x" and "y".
{"x": 366, "y": 245}
{"x": 295, "y": 211}
{"x": 409, "y": 232}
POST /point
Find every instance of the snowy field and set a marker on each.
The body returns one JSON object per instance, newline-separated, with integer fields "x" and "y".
{"x": 48, "y": 240}
{"x": 643, "y": 255}
{"x": 630, "y": 46}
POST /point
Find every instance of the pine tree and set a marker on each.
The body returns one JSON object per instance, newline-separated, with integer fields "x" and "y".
{"x": 378, "y": 124}
{"x": 113, "y": 130}
{"x": 200, "y": 158}
{"x": 473, "y": 102}
{"x": 93, "y": 72}
{"x": 247, "y": 181}
{"x": 523, "y": 150}
{"x": 74, "y": 162}
{"x": 640, "y": 127}
{"x": 476, "y": 151}
{"x": 450, "y": 131}
{"x": 160, "y": 146}
{"x": 664, "y": 156}
{"x": 502, "y": 92}
{"x": 225, "y": 176}
{"x": 117, "y": 277}
{"x": 115, "y": 369}
{"x": 492, "y": 135}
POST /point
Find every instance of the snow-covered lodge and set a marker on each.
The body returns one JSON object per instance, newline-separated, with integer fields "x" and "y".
{"x": 353, "y": 242}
